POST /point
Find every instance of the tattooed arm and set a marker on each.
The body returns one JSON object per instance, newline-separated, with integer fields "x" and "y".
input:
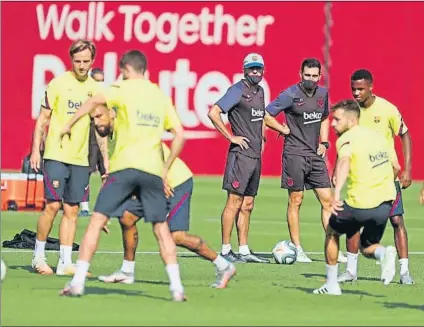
{"x": 40, "y": 127}
{"x": 102, "y": 142}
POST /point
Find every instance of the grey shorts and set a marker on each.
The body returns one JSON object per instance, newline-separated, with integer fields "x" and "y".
{"x": 300, "y": 172}
{"x": 179, "y": 207}
{"x": 351, "y": 220}
{"x": 121, "y": 185}
{"x": 242, "y": 174}
{"x": 65, "y": 181}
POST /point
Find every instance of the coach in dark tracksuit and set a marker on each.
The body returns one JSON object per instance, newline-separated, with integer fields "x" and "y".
{"x": 244, "y": 104}
{"x": 306, "y": 109}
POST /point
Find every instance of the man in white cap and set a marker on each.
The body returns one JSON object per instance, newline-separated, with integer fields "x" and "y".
{"x": 245, "y": 106}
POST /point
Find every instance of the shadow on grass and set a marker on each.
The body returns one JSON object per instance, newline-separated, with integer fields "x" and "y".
{"x": 313, "y": 275}
{"x": 350, "y": 292}
{"x": 27, "y": 268}
{"x": 400, "y": 305}
{"x": 93, "y": 290}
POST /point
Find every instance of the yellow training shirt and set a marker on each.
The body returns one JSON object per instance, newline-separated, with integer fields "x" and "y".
{"x": 143, "y": 113}
{"x": 371, "y": 178}
{"x": 179, "y": 171}
{"x": 64, "y": 96}
{"x": 384, "y": 118}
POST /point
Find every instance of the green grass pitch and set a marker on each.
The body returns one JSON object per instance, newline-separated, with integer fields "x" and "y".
{"x": 267, "y": 294}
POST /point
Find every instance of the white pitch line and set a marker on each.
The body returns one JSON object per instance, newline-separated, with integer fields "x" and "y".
{"x": 155, "y": 252}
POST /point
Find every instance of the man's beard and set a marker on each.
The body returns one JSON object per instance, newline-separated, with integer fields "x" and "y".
{"x": 105, "y": 131}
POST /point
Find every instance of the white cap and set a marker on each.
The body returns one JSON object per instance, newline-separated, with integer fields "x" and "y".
{"x": 253, "y": 60}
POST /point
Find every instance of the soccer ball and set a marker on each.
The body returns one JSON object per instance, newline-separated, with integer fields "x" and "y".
{"x": 3, "y": 270}
{"x": 285, "y": 253}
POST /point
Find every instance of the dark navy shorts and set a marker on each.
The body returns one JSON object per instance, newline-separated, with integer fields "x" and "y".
{"x": 178, "y": 216}
{"x": 302, "y": 172}
{"x": 351, "y": 220}
{"x": 242, "y": 174}
{"x": 66, "y": 182}
{"x": 121, "y": 185}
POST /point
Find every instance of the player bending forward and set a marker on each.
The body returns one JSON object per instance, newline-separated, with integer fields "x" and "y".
{"x": 144, "y": 112}
{"x": 181, "y": 180}
{"x": 369, "y": 165}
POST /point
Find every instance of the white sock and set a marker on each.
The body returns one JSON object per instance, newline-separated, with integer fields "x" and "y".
{"x": 80, "y": 273}
{"x": 220, "y": 263}
{"x": 404, "y": 266}
{"x": 380, "y": 252}
{"x": 173, "y": 271}
{"x": 65, "y": 255}
{"x": 226, "y": 248}
{"x": 84, "y": 206}
{"x": 244, "y": 249}
{"x": 332, "y": 272}
{"x": 128, "y": 267}
{"x": 299, "y": 248}
{"x": 352, "y": 263}
{"x": 39, "y": 247}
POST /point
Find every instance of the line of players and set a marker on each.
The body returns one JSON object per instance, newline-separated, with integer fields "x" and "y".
{"x": 138, "y": 187}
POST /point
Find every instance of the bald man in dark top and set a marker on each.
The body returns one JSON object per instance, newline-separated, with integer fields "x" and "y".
{"x": 306, "y": 109}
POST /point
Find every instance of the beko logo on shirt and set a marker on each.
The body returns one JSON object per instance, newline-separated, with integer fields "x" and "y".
{"x": 378, "y": 156}
{"x": 147, "y": 119}
{"x": 379, "y": 159}
{"x": 312, "y": 117}
{"x": 258, "y": 114}
{"x": 73, "y": 105}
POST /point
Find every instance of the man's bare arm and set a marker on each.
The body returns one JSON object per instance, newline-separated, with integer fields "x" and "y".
{"x": 216, "y": 119}
{"x": 103, "y": 146}
{"x": 86, "y": 108}
{"x": 177, "y": 145}
{"x": 342, "y": 172}
{"x": 272, "y": 123}
{"x": 406, "y": 175}
{"x": 324, "y": 130}
{"x": 40, "y": 128}
{"x": 215, "y": 116}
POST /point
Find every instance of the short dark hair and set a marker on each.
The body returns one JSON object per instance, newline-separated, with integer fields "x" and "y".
{"x": 362, "y": 74}
{"x": 135, "y": 59}
{"x": 311, "y": 63}
{"x": 95, "y": 71}
{"x": 348, "y": 106}
{"x": 81, "y": 45}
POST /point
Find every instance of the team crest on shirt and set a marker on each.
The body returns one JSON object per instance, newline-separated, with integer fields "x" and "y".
{"x": 55, "y": 184}
{"x": 248, "y": 97}
{"x": 320, "y": 102}
{"x": 90, "y": 94}
{"x": 377, "y": 119}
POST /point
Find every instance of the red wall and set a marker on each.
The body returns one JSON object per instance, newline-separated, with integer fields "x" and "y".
{"x": 382, "y": 37}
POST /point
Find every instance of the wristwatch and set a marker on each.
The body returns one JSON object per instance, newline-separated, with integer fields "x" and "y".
{"x": 326, "y": 144}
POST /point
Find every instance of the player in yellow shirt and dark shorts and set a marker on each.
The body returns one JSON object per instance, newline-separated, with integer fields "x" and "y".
{"x": 181, "y": 180}
{"x": 66, "y": 171}
{"x": 367, "y": 164}
{"x": 383, "y": 117}
{"x": 143, "y": 113}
